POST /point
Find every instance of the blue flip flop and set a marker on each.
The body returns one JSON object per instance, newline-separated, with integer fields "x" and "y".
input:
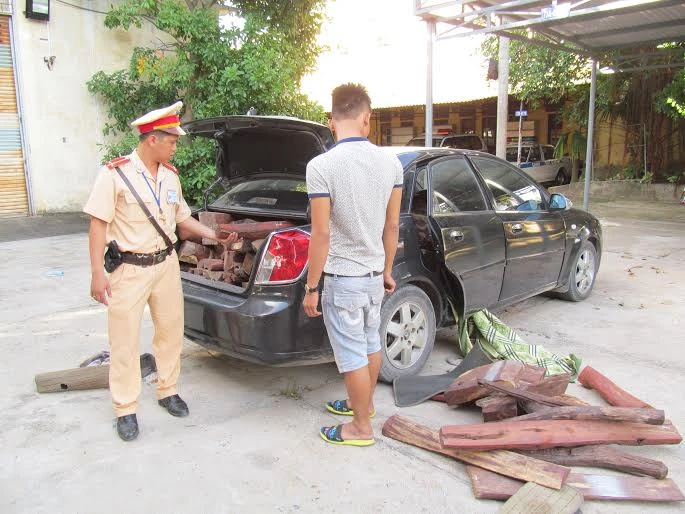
{"x": 340, "y": 407}
{"x": 333, "y": 435}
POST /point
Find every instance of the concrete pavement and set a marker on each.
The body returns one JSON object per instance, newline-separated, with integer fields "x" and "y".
{"x": 250, "y": 443}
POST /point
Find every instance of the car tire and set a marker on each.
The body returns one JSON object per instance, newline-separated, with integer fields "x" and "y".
{"x": 562, "y": 178}
{"x": 582, "y": 275}
{"x": 407, "y": 333}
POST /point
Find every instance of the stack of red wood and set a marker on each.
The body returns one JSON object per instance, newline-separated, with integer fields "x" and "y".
{"x": 533, "y": 430}
{"x": 233, "y": 263}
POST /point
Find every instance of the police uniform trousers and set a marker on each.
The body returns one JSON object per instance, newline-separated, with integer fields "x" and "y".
{"x": 133, "y": 287}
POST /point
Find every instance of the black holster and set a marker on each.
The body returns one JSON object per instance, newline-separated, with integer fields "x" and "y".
{"x": 113, "y": 257}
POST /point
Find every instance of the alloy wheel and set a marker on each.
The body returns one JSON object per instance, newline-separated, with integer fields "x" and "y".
{"x": 585, "y": 271}
{"x": 405, "y": 335}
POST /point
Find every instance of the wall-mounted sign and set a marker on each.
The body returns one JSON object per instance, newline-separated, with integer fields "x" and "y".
{"x": 38, "y": 9}
{"x": 521, "y": 113}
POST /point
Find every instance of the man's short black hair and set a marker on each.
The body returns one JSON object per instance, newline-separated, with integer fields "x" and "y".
{"x": 159, "y": 133}
{"x": 349, "y": 101}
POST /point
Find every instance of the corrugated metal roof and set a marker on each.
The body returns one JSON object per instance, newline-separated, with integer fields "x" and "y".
{"x": 456, "y": 101}
{"x": 598, "y": 28}
{"x": 658, "y": 22}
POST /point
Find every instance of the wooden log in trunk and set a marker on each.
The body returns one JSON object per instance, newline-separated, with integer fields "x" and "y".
{"x": 601, "y": 456}
{"x": 487, "y": 485}
{"x": 257, "y": 245}
{"x": 629, "y": 414}
{"x": 213, "y": 220}
{"x": 248, "y": 263}
{"x": 504, "y": 462}
{"x": 192, "y": 253}
{"x": 613, "y": 394}
{"x": 211, "y": 264}
{"x": 255, "y": 230}
{"x": 523, "y": 435}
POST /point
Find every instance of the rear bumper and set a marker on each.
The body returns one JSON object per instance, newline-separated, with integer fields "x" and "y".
{"x": 266, "y": 326}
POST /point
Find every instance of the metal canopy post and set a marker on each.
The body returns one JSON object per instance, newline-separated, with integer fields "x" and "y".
{"x": 590, "y": 134}
{"x": 430, "y": 23}
{"x": 502, "y": 98}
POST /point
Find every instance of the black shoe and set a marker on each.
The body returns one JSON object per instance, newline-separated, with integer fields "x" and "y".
{"x": 174, "y": 405}
{"x": 127, "y": 427}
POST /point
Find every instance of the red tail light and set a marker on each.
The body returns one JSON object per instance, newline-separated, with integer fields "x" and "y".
{"x": 285, "y": 258}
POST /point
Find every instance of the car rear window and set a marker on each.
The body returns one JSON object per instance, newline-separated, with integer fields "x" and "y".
{"x": 464, "y": 142}
{"x": 266, "y": 195}
{"x": 421, "y": 141}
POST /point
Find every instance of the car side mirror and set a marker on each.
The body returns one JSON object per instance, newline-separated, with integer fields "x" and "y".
{"x": 559, "y": 202}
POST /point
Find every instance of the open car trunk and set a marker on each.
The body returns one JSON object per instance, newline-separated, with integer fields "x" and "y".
{"x": 261, "y": 164}
{"x": 235, "y": 264}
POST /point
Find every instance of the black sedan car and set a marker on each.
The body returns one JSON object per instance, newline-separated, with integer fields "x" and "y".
{"x": 475, "y": 233}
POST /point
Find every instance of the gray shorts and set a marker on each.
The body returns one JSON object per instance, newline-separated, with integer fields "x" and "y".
{"x": 352, "y": 314}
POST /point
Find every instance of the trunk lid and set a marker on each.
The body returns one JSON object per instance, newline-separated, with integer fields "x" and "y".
{"x": 252, "y": 145}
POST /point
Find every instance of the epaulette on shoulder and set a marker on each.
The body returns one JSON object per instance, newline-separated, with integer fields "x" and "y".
{"x": 170, "y": 166}
{"x": 117, "y": 162}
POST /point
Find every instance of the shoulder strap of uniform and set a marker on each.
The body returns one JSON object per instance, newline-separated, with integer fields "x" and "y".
{"x": 117, "y": 162}
{"x": 170, "y": 166}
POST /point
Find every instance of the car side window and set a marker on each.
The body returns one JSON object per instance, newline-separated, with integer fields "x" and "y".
{"x": 511, "y": 190}
{"x": 548, "y": 151}
{"x": 534, "y": 155}
{"x": 454, "y": 187}
{"x": 406, "y": 188}
{"x": 419, "y": 201}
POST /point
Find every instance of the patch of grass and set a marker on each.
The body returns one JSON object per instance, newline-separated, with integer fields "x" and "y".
{"x": 291, "y": 390}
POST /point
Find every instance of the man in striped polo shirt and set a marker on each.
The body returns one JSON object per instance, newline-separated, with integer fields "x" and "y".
{"x": 355, "y": 191}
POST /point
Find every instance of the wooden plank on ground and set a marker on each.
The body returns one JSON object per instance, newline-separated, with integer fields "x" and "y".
{"x": 504, "y": 462}
{"x": 629, "y": 414}
{"x": 89, "y": 377}
{"x": 613, "y": 394}
{"x": 521, "y": 393}
{"x": 566, "y": 399}
{"x": 498, "y": 407}
{"x": 523, "y": 435}
{"x": 551, "y": 386}
{"x": 602, "y": 456}
{"x": 487, "y": 485}
{"x": 534, "y": 498}
{"x": 466, "y": 388}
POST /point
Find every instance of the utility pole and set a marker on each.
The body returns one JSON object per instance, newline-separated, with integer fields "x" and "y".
{"x": 429, "y": 82}
{"x": 502, "y": 97}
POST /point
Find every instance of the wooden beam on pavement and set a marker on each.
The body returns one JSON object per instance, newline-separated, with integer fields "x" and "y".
{"x": 507, "y": 463}
{"x": 487, "y": 485}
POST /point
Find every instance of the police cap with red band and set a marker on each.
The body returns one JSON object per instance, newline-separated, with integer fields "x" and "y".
{"x": 165, "y": 119}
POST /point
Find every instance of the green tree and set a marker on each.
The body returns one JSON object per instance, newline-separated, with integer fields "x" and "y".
{"x": 641, "y": 99}
{"x": 215, "y": 69}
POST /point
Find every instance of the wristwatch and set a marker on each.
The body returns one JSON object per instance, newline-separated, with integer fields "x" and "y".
{"x": 309, "y": 290}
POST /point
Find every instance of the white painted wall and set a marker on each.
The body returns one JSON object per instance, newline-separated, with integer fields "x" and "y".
{"x": 62, "y": 120}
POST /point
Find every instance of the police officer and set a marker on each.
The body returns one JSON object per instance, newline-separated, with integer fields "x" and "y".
{"x": 149, "y": 274}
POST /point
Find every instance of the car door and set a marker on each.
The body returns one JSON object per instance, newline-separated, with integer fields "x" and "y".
{"x": 472, "y": 236}
{"x": 535, "y": 236}
{"x": 532, "y": 165}
{"x": 552, "y": 163}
